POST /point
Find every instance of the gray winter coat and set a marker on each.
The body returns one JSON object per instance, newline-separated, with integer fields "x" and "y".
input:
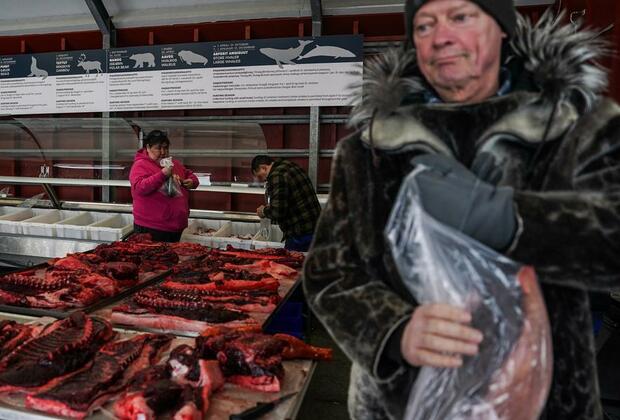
{"x": 569, "y": 225}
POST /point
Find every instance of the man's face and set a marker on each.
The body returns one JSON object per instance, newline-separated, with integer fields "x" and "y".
{"x": 261, "y": 173}
{"x": 458, "y": 49}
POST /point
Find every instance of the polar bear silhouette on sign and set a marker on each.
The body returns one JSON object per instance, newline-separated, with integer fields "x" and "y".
{"x": 142, "y": 59}
{"x": 190, "y": 57}
{"x": 35, "y": 71}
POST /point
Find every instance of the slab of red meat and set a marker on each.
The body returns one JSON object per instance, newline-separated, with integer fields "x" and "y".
{"x": 519, "y": 389}
{"x": 267, "y": 284}
{"x": 251, "y": 360}
{"x": 144, "y": 319}
{"x": 187, "y": 249}
{"x": 186, "y": 368}
{"x": 248, "y": 301}
{"x": 273, "y": 269}
{"x": 190, "y": 307}
{"x": 119, "y": 270}
{"x": 13, "y": 334}
{"x": 297, "y": 349}
{"x": 112, "y": 367}
{"x": 71, "y": 263}
{"x": 280, "y": 255}
{"x": 68, "y": 283}
{"x": 62, "y": 348}
{"x": 148, "y": 309}
{"x": 149, "y": 256}
{"x": 152, "y": 394}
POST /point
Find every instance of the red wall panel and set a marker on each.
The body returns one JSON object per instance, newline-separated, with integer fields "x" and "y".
{"x": 381, "y": 27}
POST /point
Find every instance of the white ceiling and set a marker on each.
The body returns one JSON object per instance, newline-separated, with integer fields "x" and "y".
{"x": 20, "y": 17}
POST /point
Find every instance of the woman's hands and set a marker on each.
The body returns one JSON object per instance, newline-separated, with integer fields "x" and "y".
{"x": 167, "y": 171}
{"x": 438, "y": 335}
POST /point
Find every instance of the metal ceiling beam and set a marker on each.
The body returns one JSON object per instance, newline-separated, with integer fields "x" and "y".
{"x": 104, "y": 22}
{"x": 317, "y": 17}
{"x": 314, "y": 139}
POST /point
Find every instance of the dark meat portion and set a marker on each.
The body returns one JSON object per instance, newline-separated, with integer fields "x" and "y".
{"x": 61, "y": 348}
{"x": 197, "y": 309}
{"x": 297, "y": 349}
{"x": 111, "y": 369}
{"x": 153, "y": 394}
{"x": 119, "y": 270}
{"x": 252, "y": 360}
{"x": 13, "y": 334}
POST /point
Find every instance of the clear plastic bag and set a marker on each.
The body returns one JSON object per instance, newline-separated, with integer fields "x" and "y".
{"x": 510, "y": 376}
{"x": 172, "y": 186}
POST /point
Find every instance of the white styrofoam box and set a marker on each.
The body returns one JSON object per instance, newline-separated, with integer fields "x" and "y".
{"x": 12, "y": 217}
{"x": 75, "y": 226}
{"x": 112, "y": 228}
{"x": 45, "y": 224}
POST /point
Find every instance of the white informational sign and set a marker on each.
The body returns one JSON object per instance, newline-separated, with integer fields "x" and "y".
{"x": 64, "y": 82}
{"x": 283, "y": 72}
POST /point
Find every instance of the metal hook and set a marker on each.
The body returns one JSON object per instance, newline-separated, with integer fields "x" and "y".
{"x": 579, "y": 14}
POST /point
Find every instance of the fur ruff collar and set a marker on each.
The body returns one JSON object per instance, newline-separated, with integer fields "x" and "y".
{"x": 561, "y": 62}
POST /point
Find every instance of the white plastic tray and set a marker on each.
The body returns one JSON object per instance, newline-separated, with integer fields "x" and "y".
{"x": 226, "y": 232}
{"x": 45, "y": 224}
{"x": 112, "y": 228}
{"x": 76, "y": 226}
{"x": 12, "y": 217}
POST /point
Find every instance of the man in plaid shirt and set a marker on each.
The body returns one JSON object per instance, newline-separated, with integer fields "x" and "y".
{"x": 291, "y": 200}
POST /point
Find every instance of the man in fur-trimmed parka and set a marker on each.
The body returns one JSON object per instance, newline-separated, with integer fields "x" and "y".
{"x": 518, "y": 105}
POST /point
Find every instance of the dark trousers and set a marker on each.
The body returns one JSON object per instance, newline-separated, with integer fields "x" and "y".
{"x": 299, "y": 243}
{"x": 158, "y": 235}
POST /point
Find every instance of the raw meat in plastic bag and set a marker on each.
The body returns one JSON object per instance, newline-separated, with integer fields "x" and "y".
{"x": 510, "y": 376}
{"x": 172, "y": 186}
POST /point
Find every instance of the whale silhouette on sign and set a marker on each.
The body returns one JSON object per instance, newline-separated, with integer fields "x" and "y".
{"x": 284, "y": 56}
{"x": 326, "y": 51}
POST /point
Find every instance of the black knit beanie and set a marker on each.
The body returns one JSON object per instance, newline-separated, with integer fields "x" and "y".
{"x": 503, "y": 11}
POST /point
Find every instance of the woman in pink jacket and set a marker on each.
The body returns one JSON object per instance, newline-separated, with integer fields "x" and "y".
{"x": 154, "y": 210}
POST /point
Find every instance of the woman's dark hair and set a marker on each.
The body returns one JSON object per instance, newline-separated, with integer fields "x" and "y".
{"x": 155, "y": 137}
{"x": 260, "y": 160}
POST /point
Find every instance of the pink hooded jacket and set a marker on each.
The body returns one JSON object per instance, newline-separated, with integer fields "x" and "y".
{"x": 153, "y": 208}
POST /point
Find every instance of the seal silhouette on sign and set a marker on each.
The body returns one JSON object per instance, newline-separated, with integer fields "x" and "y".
{"x": 35, "y": 71}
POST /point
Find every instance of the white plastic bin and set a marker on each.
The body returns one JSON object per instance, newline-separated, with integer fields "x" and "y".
{"x": 112, "y": 228}
{"x": 76, "y": 226}
{"x": 195, "y": 226}
{"x": 228, "y": 233}
{"x": 12, "y": 217}
{"x": 45, "y": 224}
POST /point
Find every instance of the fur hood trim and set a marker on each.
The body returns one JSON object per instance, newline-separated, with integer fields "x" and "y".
{"x": 560, "y": 59}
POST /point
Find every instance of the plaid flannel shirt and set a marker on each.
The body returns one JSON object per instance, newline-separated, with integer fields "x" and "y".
{"x": 292, "y": 202}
